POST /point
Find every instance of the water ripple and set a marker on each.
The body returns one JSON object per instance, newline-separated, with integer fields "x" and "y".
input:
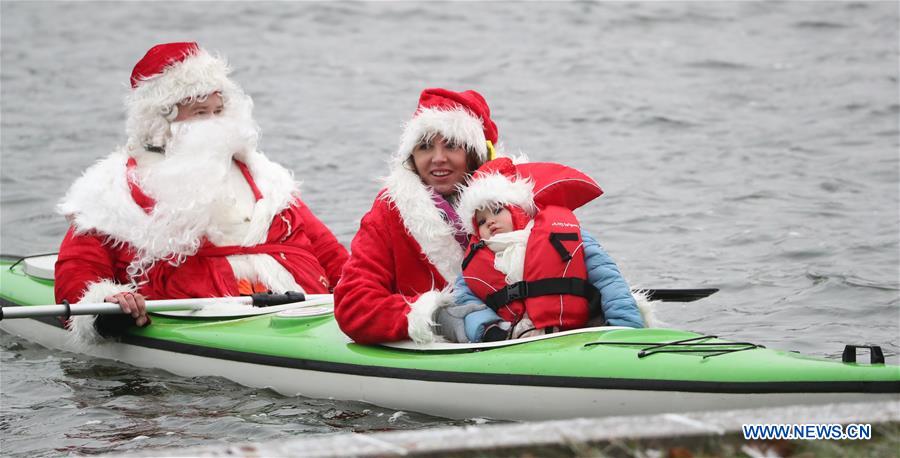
{"x": 713, "y": 64}
{"x": 823, "y": 25}
{"x": 850, "y": 280}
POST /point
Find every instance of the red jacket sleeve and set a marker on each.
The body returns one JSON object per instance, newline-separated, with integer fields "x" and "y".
{"x": 325, "y": 246}
{"x": 83, "y": 259}
{"x": 366, "y": 303}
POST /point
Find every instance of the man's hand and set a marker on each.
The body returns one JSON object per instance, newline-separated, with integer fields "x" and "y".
{"x": 451, "y": 321}
{"x": 132, "y": 304}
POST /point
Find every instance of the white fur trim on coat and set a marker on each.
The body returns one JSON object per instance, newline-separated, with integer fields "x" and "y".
{"x": 423, "y": 221}
{"x": 81, "y": 328}
{"x": 420, "y": 319}
{"x": 278, "y": 189}
{"x": 456, "y": 125}
{"x": 487, "y": 191}
{"x": 646, "y": 307}
{"x": 101, "y": 201}
{"x": 265, "y": 269}
{"x": 150, "y": 104}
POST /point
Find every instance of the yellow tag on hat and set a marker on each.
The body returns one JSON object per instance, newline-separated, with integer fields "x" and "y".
{"x": 491, "y": 153}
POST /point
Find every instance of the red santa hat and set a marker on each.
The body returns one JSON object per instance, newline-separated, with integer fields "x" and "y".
{"x": 497, "y": 183}
{"x": 168, "y": 74}
{"x": 528, "y": 186}
{"x": 460, "y": 117}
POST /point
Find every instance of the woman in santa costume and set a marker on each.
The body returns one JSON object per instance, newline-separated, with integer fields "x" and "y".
{"x": 410, "y": 244}
{"x": 530, "y": 268}
{"x": 188, "y": 207}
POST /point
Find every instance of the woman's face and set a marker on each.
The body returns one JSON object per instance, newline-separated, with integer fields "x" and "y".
{"x": 440, "y": 165}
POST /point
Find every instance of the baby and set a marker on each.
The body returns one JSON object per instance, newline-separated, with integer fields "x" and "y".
{"x": 541, "y": 272}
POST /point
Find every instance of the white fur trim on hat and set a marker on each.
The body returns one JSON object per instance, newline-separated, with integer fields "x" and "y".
{"x": 150, "y": 103}
{"x": 81, "y": 328}
{"x": 485, "y": 191}
{"x": 456, "y": 125}
{"x": 420, "y": 319}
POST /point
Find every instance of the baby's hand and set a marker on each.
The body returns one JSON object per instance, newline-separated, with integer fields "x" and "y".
{"x": 452, "y": 321}
{"x": 478, "y": 321}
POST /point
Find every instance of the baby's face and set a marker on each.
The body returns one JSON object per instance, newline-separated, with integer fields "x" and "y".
{"x": 493, "y": 221}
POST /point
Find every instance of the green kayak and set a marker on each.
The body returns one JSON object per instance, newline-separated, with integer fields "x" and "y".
{"x": 298, "y": 349}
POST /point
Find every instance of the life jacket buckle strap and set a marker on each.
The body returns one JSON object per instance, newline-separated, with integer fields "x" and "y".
{"x": 474, "y": 249}
{"x": 548, "y": 286}
{"x": 516, "y": 291}
{"x": 557, "y": 238}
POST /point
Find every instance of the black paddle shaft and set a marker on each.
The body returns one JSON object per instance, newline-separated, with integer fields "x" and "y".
{"x": 269, "y": 299}
{"x": 679, "y": 295}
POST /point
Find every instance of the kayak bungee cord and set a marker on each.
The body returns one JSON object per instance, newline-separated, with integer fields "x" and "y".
{"x": 716, "y": 348}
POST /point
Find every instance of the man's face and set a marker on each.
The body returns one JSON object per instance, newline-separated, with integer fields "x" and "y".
{"x": 212, "y": 106}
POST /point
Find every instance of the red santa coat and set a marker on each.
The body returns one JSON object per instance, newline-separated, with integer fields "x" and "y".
{"x": 104, "y": 206}
{"x": 89, "y": 258}
{"x": 402, "y": 257}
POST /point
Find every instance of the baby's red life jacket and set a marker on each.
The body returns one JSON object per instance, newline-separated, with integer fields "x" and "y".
{"x": 554, "y": 290}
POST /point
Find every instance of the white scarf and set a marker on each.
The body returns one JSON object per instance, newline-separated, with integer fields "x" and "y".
{"x": 509, "y": 252}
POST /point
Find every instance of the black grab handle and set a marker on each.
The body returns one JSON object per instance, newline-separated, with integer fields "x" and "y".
{"x": 269, "y": 299}
{"x": 876, "y": 356}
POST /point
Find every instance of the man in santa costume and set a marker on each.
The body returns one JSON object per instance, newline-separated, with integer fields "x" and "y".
{"x": 410, "y": 244}
{"x": 188, "y": 207}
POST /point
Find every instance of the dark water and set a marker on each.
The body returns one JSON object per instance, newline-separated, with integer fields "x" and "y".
{"x": 747, "y": 146}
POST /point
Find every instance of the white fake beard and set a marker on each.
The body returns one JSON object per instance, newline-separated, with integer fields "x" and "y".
{"x": 190, "y": 187}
